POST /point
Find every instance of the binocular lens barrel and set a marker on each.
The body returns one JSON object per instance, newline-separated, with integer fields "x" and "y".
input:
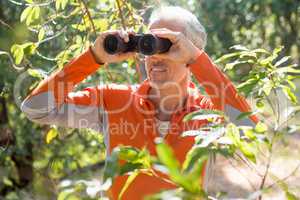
{"x": 147, "y": 44}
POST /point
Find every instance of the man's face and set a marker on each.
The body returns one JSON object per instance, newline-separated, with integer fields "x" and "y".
{"x": 160, "y": 70}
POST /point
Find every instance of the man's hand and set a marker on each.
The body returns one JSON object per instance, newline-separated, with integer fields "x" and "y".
{"x": 102, "y": 56}
{"x": 182, "y": 49}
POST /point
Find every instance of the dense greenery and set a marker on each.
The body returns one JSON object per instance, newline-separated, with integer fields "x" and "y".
{"x": 39, "y": 36}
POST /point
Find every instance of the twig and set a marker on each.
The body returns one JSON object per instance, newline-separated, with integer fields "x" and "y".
{"x": 250, "y": 183}
{"x": 12, "y": 60}
{"x": 278, "y": 110}
{"x": 52, "y": 37}
{"x": 267, "y": 167}
{"x": 248, "y": 164}
{"x": 44, "y": 57}
{"x": 5, "y": 24}
{"x": 31, "y": 4}
{"x": 285, "y": 178}
{"x": 89, "y": 15}
{"x": 121, "y": 15}
{"x": 271, "y": 104}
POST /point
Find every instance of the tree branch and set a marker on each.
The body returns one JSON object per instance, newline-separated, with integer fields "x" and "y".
{"x": 285, "y": 178}
{"x": 88, "y": 14}
{"x": 121, "y": 14}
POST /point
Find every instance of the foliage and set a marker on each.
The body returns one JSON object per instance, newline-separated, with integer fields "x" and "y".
{"x": 38, "y": 37}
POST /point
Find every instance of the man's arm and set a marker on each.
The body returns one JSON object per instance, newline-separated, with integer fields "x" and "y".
{"x": 53, "y": 101}
{"x": 220, "y": 89}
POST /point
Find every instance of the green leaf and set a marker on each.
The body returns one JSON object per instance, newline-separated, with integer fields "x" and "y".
{"x": 203, "y": 114}
{"x": 41, "y": 34}
{"x": 239, "y": 48}
{"x": 166, "y": 156}
{"x": 128, "y": 153}
{"x": 249, "y": 55}
{"x": 287, "y": 69}
{"x": 26, "y": 12}
{"x": 248, "y": 86}
{"x": 277, "y": 50}
{"x": 29, "y": 48}
{"x": 244, "y": 115}
{"x": 290, "y": 196}
{"x": 129, "y": 180}
{"x": 267, "y": 86}
{"x": 129, "y": 167}
{"x": 261, "y": 127}
{"x": 61, "y": 4}
{"x": 248, "y": 131}
{"x": 112, "y": 166}
{"x": 37, "y": 73}
{"x": 192, "y": 156}
{"x": 210, "y": 137}
{"x": 63, "y": 57}
{"x": 230, "y": 66}
{"x": 232, "y": 132}
{"x": 282, "y": 60}
{"x": 101, "y": 24}
{"x": 36, "y": 12}
{"x": 51, "y": 135}
{"x": 18, "y": 53}
{"x": 262, "y": 51}
{"x": 289, "y": 94}
{"x": 227, "y": 56}
{"x": 247, "y": 150}
{"x": 30, "y": 14}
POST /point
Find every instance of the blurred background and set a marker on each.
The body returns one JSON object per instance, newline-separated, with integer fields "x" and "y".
{"x": 40, "y": 36}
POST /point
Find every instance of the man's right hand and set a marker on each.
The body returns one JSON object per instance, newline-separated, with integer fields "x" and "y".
{"x": 102, "y": 56}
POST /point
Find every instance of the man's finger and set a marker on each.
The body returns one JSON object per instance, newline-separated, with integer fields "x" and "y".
{"x": 172, "y": 36}
{"x": 123, "y": 34}
{"x": 126, "y": 55}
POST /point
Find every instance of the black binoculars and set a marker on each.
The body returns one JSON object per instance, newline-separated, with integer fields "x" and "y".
{"x": 147, "y": 44}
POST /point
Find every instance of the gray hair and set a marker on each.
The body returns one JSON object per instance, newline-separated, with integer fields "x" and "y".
{"x": 193, "y": 29}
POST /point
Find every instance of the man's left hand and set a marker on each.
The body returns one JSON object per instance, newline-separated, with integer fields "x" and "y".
{"x": 182, "y": 49}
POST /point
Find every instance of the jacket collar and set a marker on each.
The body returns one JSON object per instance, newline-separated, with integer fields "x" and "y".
{"x": 190, "y": 104}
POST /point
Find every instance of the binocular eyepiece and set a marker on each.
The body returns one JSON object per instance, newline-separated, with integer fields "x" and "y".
{"x": 147, "y": 44}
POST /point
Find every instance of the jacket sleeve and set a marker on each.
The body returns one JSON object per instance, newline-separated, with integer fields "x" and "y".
{"x": 222, "y": 92}
{"x": 53, "y": 101}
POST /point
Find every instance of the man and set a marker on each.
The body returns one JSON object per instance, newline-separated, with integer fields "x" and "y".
{"x": 155, "y": 109}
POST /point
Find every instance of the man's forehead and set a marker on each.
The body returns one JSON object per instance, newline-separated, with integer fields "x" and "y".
{"x": 169, "y": 24}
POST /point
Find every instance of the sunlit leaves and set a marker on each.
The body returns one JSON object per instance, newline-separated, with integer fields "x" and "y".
{"x": 61, "y": 4}
{"x": 133, "y": 157}
{"x": 52, "y": 133}
{"x": 37, "y": 73}
{"x": 167, "y": 157}
{"x": 129, "y": 180}
{"x": 41, "y": 34}
{"x": 101, "y": 24}
{"x": 18, "y": 51}
{"x": 289, "y": 94}
{"x": 202, "y": 114}
{"x": 268, "y": 71}
{"x": 188, "y": 180}
{"x": 261, "y": 127}
{"x": 30, "y": 14}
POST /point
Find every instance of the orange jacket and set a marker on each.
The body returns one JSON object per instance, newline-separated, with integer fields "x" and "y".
{"x": 125, "y": 115}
